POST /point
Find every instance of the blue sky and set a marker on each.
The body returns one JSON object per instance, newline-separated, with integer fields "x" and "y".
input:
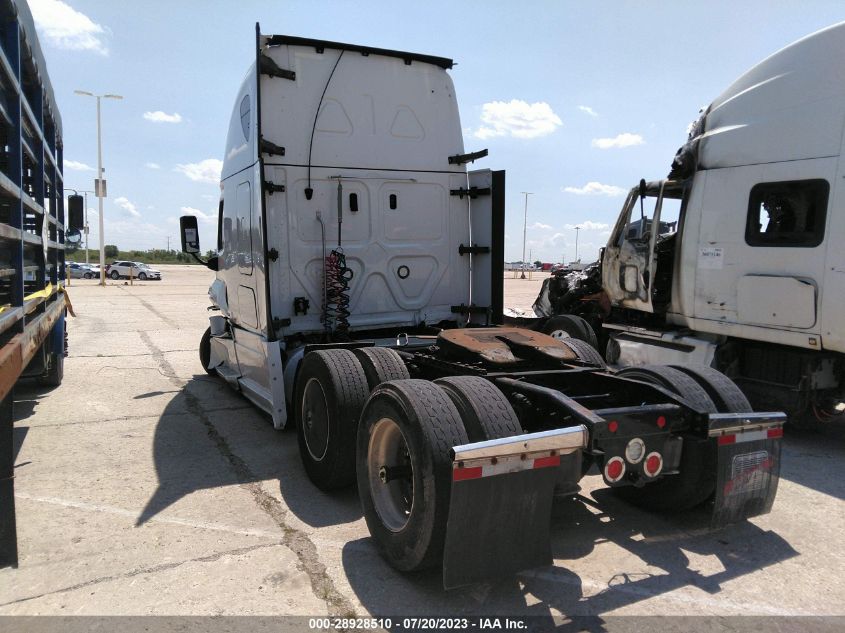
{"x": 575, "y": 100}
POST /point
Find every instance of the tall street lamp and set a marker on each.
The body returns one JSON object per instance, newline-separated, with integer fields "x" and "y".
{"x": 525, "y": 229}
{"x": 100, "y": 185}
{"x": 577, "y": 229}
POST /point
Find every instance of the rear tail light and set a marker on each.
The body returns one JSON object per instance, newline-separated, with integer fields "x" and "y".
{"x": 653, "y": 464}
{"x": 614, "y": 469}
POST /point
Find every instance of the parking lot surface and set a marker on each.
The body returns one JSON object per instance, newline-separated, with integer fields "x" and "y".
{"x": 145, "y": 486}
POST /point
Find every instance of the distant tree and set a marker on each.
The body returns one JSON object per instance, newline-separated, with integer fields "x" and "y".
{"x": 538, "y": 264}
{"x": 111, "y": 250}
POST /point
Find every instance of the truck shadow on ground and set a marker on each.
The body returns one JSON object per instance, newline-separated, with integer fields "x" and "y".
{"x": 674, "y": 551}
{"x": 209, "y": 436}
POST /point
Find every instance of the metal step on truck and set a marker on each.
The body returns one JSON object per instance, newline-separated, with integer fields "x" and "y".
{"x": 358, "y": 297}
{"x": 33, "y": 236}
{"x": 735, "y": 261}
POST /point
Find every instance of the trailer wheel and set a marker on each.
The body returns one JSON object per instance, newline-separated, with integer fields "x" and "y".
{"x": 331, "y": 389}
{"x": 570, "y": 326}
{"x": 484, "y": 409}
{"x": 381, "y": 364}
{"x": 696, "y": 478}
{"x": 721, "y": 389}
{"x": 405, "y": 472}
{"x": 205, "y": 351}
{"x": 585, "y": 352}
{"x": 55, "y": 369}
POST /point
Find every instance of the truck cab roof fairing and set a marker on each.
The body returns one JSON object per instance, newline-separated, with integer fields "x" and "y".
{"x": 320, "y": 45}
{"x": 790, "y": 106}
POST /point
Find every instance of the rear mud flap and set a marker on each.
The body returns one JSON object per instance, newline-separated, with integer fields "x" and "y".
{"x": 498, "y": 525}
{"x": 747, "y": 475}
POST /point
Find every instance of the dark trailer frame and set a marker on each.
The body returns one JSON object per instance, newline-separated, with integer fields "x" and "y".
{"x": 32, "y": 234}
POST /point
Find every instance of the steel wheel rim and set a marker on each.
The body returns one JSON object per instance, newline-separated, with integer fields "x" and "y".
{"x": 315, "y": 419}
{"x": 559, "y": 334}
{"x": 393, "y": 499}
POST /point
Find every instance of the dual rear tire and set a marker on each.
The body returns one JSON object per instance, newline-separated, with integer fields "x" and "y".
{"x": 396, "y": 442}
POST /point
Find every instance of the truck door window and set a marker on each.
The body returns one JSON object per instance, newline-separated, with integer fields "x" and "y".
{"x": 787, "y": 213}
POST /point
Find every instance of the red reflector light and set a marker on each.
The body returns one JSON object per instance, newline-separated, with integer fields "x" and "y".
{"x": 613, "y": 426}
{"x": 545, "y": 462}
{"x": 614, "y": 470}
{"x": 661, "y": 421}
{"x": 773, "y": 433}
{"x": 460, "y": 474}
{"x": 727, "y": 439}
{"x": 653, "y": 464}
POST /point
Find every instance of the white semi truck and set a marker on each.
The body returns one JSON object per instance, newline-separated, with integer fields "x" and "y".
{"x": 737, "y": 261}
{"x": 358, "y": 295}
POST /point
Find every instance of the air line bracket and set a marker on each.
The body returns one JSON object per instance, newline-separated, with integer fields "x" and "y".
{"x": 269, "y": 67}
{"x": 472, "y": 192}
{"x": 473, "y": 250}
{"x": 460, "y": 159}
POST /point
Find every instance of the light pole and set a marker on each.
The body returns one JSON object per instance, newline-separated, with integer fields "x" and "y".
{"x": 100, "y": 185}
{"x": 577, "y": 228}
{"x": 525, "y": 229}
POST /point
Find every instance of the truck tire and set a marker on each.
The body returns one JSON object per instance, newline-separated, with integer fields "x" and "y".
{"x": 381, "y": 364}
{"x": 696, "y": 478}
{"x": 727, "y": 397}
{"x": 408, "y": 425}
{"x": 585, "y": 352}
{"x": 570, "y": 326}
{"x": 484, "y": 409}
{"x": 330, "y": 392}
{"x": 205, "y": 352}
{"x": 675, "y": 381}
{"x": 55, "y": 369}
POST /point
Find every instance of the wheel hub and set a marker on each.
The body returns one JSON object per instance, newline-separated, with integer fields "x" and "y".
{"x": 391, "y": 474}
{"x": 315, "y": 418}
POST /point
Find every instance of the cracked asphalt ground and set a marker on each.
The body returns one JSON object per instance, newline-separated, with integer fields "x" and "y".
{"x": 145, "y": 486}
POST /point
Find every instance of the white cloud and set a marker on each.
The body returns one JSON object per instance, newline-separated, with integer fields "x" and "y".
{"x": 77, "y": 166}
{"x": 626, "y": 139}
{"x": 127, "y": 206}
{"x": 205, "y": 217}
{"x": 540, "y": 225}
{"x": 66, "y": 28}
{"x": 593, "y": 188}
{"x": 588, "y": 110}
{"x": 162, "y": 117}
{"x": 152, "y": 165}
{"x": 589, "y": 225}
{"x": 207, "y": 170}
{"x": 517, "y": 118}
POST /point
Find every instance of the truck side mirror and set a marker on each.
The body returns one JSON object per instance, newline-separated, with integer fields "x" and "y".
{"x": 190, "y": 234}
{"x": 75, "y": 213}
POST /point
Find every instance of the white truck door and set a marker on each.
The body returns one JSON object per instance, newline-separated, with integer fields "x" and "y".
{"x": 629, "y": 264}
{"x": 761, "y": 248}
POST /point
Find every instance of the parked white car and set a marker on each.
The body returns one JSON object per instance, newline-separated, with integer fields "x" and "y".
{"x": 139, "y": 270}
